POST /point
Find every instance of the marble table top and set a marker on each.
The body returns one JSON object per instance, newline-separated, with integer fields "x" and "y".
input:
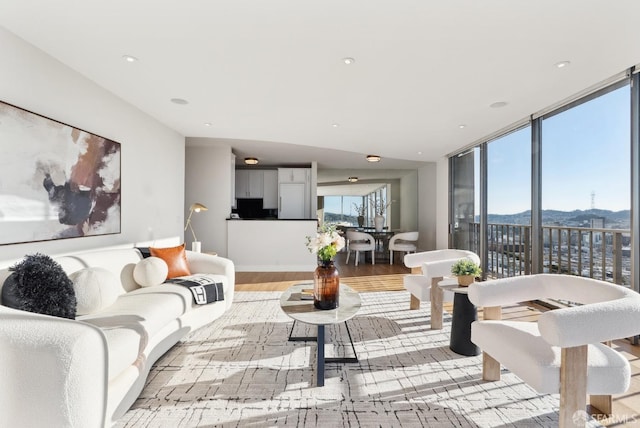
{"x": 304, "y": 311}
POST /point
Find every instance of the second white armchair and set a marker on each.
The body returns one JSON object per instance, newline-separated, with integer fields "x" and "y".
{"x": 360, "y": 241}
{"x": 405, "y": 241}
{"x": 427, "y": 266}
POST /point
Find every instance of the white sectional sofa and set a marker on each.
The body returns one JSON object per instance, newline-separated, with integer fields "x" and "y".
{"x": 88, "y": 372}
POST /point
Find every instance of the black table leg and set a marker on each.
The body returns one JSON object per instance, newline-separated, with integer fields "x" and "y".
{"x": 320, "y": 362}
{"x": 320, "y": 343}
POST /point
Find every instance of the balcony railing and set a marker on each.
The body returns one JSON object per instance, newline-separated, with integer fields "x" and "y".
{"x": 590, "y": 252}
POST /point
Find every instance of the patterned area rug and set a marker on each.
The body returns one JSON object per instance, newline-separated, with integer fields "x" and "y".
{"x": 242, "y": 371}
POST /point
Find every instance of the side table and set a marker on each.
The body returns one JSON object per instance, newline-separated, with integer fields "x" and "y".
{"x": 464, "y": 313}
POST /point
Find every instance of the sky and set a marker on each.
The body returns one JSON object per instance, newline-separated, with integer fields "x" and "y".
{"x": 584, "y": 149}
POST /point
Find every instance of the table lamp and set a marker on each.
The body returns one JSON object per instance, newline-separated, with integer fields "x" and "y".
{"x": 195, "y": 207}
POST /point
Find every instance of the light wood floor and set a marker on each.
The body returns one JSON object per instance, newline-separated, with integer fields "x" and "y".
{"x": 384, "y": 277}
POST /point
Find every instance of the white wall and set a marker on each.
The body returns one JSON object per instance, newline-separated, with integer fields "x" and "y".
{"x": 428, "y": 207}
{"x": 152, "y": 172}
{"x": 409, "y": 201}
{"x": 208, "y": 181}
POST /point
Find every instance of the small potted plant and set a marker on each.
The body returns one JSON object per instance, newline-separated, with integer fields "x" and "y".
{"x": 466, "y": 271}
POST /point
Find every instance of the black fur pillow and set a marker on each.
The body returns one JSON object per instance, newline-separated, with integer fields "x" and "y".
{"x": 39, "y": 284}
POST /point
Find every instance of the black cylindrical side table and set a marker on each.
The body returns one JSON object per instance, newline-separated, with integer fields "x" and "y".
{"x": 464, "y": 313}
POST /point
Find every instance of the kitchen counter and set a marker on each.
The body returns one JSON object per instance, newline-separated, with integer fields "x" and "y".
{"x": 260, "y": 245}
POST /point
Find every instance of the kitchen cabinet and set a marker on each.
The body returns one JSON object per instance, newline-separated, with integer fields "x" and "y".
{"x": 270, "y": 193}
{"x": 249, "y": 184}
{"x": 294, "y": 175}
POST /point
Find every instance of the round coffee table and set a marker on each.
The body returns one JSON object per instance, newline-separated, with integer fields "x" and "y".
{"x": 304, "y": 311}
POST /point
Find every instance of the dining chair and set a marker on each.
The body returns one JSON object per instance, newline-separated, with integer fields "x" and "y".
{"x": 405, "y": 241}
{"x": 360, "y": 241}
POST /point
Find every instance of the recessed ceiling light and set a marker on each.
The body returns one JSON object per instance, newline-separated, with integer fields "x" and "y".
{"x": 129, "y": 58}
{"x": 251, "y": 161}
{"x": 562, "y": 64}
{"x": 373, "y": 158}
{"x": 352, "y": 179}
{"x": 179, "y": 101}
{"x": 499, "y": 104}
{"x": 207, "y": 124}
{"x": 462, "y": 126}
{"x": 348, "y": 60}
{"x": 335, "y": 125}
{"x": 419, "y": 153}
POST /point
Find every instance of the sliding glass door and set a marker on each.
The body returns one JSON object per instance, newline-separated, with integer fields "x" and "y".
{"x": 464, "y": 200}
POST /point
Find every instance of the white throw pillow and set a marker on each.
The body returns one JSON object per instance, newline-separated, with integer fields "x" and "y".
{"x": 150, "y": 271}
{"x": 96, "y": 288}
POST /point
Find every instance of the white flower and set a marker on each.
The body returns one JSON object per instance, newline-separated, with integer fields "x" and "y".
{"x": 326, "y": 243}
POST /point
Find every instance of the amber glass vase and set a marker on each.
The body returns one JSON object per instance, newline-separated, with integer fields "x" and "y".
{"x": 326, "y": 285}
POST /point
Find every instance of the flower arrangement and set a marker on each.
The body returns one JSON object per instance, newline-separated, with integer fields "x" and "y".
{"x": 379, "y": 205}
{"x": 326, "y": 243}
{"x": 465, "y": 267}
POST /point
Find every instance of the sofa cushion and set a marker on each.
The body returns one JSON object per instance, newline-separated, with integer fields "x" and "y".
{"x": 176, "y": 259}
{"x": 150, "y": 271}
{"x": 39, "y": 284}
{"x": 95, "y": 288}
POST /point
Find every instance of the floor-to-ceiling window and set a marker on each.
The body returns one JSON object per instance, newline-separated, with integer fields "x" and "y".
{"x": 509, "y": 204}
{"x": 557, "y": 193}
{"x": 342, "y": 210}
{"x": 586, "y": 188}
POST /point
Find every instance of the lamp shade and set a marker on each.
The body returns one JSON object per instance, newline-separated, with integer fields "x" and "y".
{"x": 197, "y": 207}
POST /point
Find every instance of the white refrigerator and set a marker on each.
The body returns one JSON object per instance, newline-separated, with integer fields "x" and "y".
{"x": 291, "y": 203}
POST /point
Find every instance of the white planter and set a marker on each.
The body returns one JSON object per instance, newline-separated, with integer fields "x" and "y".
{"x": 378, "y": 222}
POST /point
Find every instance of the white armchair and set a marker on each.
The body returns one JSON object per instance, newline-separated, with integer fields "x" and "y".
{"x": 405, "y": 241}
{"x": 360, "y": 241}
{"x": 428, "y": 267}
{"x": 562, "y": 352}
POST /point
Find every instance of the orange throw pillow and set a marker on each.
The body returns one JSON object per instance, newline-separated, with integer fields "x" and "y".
{"x": 176, "y": 259}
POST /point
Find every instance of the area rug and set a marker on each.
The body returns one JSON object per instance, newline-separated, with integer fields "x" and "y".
{"x": 241, "y": 371}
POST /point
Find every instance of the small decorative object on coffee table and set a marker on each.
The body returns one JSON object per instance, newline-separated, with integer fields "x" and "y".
{"x": 466, "y": 271}
{"x": 326, "y": 281}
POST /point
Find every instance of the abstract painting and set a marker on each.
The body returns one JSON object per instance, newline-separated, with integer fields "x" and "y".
{"x": 56, "y": 181}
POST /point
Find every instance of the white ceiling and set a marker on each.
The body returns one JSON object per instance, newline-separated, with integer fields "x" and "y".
{"x": 268, "y": 75}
